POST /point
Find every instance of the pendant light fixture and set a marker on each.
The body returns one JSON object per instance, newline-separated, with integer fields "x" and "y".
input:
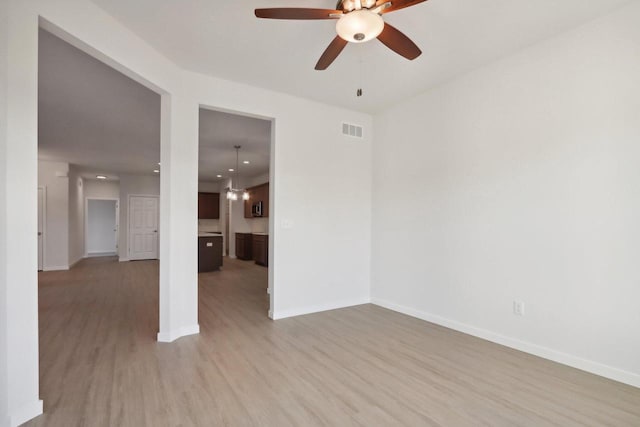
{"x": 232, "y": 193}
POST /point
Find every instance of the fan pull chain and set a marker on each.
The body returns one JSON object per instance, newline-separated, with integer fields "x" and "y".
{"x": 359, "y": 91}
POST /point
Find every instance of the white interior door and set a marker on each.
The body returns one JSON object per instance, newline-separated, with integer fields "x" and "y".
{"x": 143, "y": 227}
{"x": 40, "y": 228}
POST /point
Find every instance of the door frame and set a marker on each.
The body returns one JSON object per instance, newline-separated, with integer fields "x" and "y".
{"x": 44, "y": 225}
{"x": 86, "y": 222}
{"x": 129, "y": 196}
{"x": 273, "y": 209}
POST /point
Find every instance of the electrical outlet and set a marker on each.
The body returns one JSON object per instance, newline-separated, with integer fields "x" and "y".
{"x": 518, "y": 308}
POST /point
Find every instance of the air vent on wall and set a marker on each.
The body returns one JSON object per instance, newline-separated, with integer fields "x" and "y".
{"x": 352, "y": 130}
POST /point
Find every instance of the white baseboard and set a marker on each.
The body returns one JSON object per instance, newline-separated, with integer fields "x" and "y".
{"x": 121, "y": 259}
{"x": 590, "y": 366}
{"x": 283, "y": 314}
{"x": 25, "y": 413}
{"x": 99, "y": 254}
{"x": 55, "y": 267}
{"x": 171, "y": 336}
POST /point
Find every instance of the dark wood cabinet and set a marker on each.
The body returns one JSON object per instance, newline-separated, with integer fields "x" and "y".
{"x": 244, "y": 246}
{"x": 259, "y": 193}
{"x": 208, "y": 205}
{"x": 209, "y": 253}
{"x": 261, "y": 249}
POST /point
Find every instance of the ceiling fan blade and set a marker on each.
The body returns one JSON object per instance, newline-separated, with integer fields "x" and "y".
{"x": 297, "y": 13}
{"x": 397, "y": 4}
{"x": 331, "y": 53}
{"x": 398, "y": 42}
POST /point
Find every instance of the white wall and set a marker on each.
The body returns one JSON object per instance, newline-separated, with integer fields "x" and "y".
{"x": 101, "y": 226}
{"x": 3, "y": 219}
{"x": 20, "y": 203}
{"x": 56, "y": 246}
{"x": 331, "y": 229}
{"x": 133, "y": 185}
{"x": 97, "y": 189}
{"x": 520, "y": 181}
{"x": 76, "y": 216}
{"x": 320, "y": 184}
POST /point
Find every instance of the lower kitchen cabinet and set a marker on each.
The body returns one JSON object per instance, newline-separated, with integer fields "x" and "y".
{"x": 261, "y": 249}
{"x": 244, "y": 246}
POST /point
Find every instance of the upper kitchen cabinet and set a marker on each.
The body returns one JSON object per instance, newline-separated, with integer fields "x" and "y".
{"x": 208, "y": 205}
{"x": 257, "y": 194}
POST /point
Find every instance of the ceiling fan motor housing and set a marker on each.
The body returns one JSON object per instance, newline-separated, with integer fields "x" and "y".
{"x": 349, "y": 5}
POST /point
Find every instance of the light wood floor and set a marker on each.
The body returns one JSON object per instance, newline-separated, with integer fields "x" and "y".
{"x": 365, "y": 366}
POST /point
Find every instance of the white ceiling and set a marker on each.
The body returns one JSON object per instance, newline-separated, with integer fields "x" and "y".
{"x": 220, "y": 132}
{"x": 93, "y": 116}
{"x": 96, "y": 118}
{"x": 224, "y": 39}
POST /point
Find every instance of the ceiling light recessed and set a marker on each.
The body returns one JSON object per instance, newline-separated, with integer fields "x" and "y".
{"x": 231, "y": 170}
{"x": 156, "y": 171}
{"x": 101, "y": 177}
{"x": 218, "y": 176}
{"x": 246, "y": 162}
{"x": 158, "y": 163}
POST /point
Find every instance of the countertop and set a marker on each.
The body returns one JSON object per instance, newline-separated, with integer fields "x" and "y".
{"x": 209, "y": 234}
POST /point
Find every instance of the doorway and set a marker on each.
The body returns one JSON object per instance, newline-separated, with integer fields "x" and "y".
{"x": 102, "y": 227}
{"x": 235, "y": 161}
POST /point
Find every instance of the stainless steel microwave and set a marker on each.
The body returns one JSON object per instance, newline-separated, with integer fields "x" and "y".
{"x": 256, "y": 209}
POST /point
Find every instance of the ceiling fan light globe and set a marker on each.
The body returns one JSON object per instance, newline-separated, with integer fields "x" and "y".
{"x": 348, "y": 5}
{"x": 359, "y": 26}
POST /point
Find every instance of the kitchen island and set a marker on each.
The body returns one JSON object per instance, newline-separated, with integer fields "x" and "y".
{"x": 209, "y": 251}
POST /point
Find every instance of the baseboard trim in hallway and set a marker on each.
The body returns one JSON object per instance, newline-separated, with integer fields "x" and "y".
{"x": 25, "y": 413}
{"x": 283, "y": 314}
{"x": 171, "y": 336}
{"x": 592, "y": 367}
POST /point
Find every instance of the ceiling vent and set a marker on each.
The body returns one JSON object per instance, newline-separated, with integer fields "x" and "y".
{"x": 354, "y": 131}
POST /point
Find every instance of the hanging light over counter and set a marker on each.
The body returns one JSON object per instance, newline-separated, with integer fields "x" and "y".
{"x": 232, "y": 193}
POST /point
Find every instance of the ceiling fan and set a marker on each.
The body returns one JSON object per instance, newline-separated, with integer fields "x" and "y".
{"x": 358, "y": 21}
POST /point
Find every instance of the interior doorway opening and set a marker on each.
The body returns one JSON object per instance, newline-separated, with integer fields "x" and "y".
{"x": 102, "y": 226}
{"x": 99, "y": 134}
{"x": 235, "y": 173}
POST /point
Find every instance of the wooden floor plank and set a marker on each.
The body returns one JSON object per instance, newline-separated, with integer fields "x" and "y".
{"x": 100, "y": 364}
